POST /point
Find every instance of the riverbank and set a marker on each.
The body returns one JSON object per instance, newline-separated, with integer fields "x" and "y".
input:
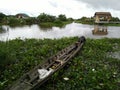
{"x": 92, "y": 23}
{"x": 87, "y": 70}
{"x": 42, "y": 24}
{"x": 51, "y": 24}
{"x": 44, "y": 20}
{"x": 89, "y": 23}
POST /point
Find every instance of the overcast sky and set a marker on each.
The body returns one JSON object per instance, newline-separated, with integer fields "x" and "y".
{"x": 71, "y": 8}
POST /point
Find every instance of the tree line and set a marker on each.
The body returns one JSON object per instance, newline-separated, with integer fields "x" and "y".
{"x": 42, "y": 18}
{"x": 91, "y": 20}
{"x": 45, "y": 19}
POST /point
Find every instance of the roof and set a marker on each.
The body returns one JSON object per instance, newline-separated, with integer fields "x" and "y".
{"x": 22, "y": 14}
{"x": 103, "y": 14}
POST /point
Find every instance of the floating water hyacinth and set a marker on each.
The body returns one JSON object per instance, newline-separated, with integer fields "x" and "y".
{"x": 88, "y": 70}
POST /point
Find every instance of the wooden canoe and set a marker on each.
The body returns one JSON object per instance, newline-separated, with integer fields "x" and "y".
{"x": 41, "y": 73}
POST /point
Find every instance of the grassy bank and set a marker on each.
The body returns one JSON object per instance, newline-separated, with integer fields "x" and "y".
{"x": 51, "y": 24}
{"x": 89, "y": 23}
{"x": 92, "y": 23}
{"x": 91, "y": 69}
{"x": 112, "y": 24}
{"x": 1, "y": 28}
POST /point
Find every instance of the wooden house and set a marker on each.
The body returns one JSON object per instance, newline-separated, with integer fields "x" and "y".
{"x": 101, "y": 17}
{"x": 22, "y": 15}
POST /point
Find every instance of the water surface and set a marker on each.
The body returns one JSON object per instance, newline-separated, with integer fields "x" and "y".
{"x": 70, "y": 30}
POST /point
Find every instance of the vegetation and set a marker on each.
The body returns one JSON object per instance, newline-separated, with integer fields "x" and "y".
{"x": 14, "y": 21}
{"x": 49, "y": 20}
{"x": 44, "y": 20}
{"x": 85, "y": 20}
{"x": 1, "y": 29}
{"x": 90, "y": 20}
{"x": 91, "y": 69}
{"x": 17, "y": 56}
{"x": 113, "y": 24}
{"x": 2, "y": 18}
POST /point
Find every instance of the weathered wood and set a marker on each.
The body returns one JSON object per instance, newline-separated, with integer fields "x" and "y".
{"x": 32, "y": 80}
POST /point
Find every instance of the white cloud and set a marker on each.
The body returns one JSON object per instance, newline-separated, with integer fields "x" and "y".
{"x": 71, "y": 8}
{"x": 110, "y": 4}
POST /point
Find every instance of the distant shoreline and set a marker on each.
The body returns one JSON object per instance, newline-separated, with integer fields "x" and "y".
{"x": 91, "y": 23}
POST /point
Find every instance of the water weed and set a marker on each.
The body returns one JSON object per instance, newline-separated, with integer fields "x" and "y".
{"x": 90, "y": 69}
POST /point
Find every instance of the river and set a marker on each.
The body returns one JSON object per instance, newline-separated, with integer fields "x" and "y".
{"x": 70, "y": 30}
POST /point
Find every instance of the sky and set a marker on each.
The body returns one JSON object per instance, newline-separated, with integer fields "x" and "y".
{"x": 71, "y": 8}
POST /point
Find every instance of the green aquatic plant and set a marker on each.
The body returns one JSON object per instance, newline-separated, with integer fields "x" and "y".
{"x": 90, "y": 69}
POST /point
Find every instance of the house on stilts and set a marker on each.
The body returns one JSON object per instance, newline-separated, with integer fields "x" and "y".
{"x": 101, "y": 18}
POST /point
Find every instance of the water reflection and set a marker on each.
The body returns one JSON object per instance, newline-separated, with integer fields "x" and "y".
{"x": 44, "y": 29}
{"x": 70, "y": 30}
{"x": 3, "y": 29}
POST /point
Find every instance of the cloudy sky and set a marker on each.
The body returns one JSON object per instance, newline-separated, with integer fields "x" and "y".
{"x": 71, "y": 8}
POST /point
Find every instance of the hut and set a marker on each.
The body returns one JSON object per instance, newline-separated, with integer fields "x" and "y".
{"x": 22, "y": 15}
{"x": 100, "y": 19}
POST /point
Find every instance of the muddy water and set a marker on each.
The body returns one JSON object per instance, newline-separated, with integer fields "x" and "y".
{"x": 70, "y": 30}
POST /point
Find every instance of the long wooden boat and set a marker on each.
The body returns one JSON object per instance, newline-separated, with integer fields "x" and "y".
{"x": 41, "y": 73}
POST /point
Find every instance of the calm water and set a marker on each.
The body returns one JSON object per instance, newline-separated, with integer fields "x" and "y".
{"x": 70, "y": 30}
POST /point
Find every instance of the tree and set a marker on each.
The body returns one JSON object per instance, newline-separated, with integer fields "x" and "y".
{"x": 14, "y": 21}
{"x": 83, "y": 18}
{"x": 70, "y": 19}
{"x": 2, "y": 16}
{"x": 31, "y": 20}
{"x": 62, "y": 17}
{"x": 46, "y": 18}
{"x": 115, "y": 19}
